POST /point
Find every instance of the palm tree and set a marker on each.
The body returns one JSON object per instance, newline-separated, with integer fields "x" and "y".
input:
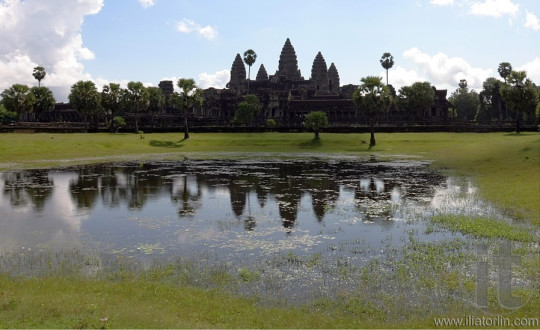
{"x": 136, "y": 98}
{"x": 505, "y": 69}
{"x": 372, "y": 97}
{"x": 387, "y": 62}
{"x": 157, "y": 101}
{"x": 85, "y": 98}
{"x": 189, "y": 97}
{"x": 18, "y": 98}
{"x": 519, "y": 94}
{"x": 39, "y": 73}
{"x": 249, "y": 58}
{"x": 111, "y": 101}
{"x": 44, "y": 100}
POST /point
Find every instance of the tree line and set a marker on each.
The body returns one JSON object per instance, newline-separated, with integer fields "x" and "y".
{"x": 514, "y": 97}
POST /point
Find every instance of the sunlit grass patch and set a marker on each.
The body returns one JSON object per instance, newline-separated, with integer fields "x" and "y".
{"x": 484, "y": 227}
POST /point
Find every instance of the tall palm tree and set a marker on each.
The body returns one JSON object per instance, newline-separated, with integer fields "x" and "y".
{"x": 189, "y": 97}
{"x": 136, "y": 98}
{"x": 39, "y": 73}
{"x": 249, "y": 58}
{"x": 370, "y": 98}
{"x": 387, "y": 62}
{"x": 505, "y": 69}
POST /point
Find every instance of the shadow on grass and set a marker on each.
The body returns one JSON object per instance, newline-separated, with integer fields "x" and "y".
{"x": 166, "y": 144}
{"x": 521, "y": 134}
{"x": 311, "y": 144}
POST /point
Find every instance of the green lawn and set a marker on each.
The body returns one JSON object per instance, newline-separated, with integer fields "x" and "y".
{"x": 80, "y": 303}
{"x": 506, "y": 167}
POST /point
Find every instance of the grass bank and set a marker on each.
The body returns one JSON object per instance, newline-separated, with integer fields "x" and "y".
{"x": 80, "y": 303}
{"x": 506, "y": 167}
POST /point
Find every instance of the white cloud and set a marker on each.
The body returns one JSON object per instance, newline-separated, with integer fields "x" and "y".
{"x": 531, "y": 21}
{"x": 441, "y": 2}
{"x": 533, "y": 70}
{"x": 188, "y": 26}
{"x": 46, "y": 33}
{"x": 399, "y": 77}
{"x": 217, "y": 80}
{"x": 445, "y": 72}
{"x": 147, "y": 3}
{"x": 495, "y": 8}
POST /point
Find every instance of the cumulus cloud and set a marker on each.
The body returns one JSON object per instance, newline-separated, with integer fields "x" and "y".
{"x": 533, "y": 70}
{"x": 441, "y": 2}
{"x": 217, "y": 79}
{"x": 399, "y": 77}
{"x": 147, "y": 3}
{"x": 188, "y": 26}
{"x": 495, "y": 8}
{"x": 446, "y": 72}
{"x": 531, "y": 21}
{"x": 46, "y": 33}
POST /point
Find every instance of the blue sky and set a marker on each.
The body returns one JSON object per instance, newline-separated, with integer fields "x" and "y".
{"x": 440, "y": 41}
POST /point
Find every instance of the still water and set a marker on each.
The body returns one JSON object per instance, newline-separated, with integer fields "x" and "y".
{"x": 237, "y": 210}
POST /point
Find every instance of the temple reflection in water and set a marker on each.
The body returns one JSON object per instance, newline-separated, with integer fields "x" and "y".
{"x": 190, "y": 184}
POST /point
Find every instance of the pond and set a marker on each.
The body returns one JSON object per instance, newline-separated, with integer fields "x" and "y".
{"x": 287, "y": 229}
{"x": 237, "y": 210}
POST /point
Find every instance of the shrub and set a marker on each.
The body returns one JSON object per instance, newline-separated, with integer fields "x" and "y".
{"x": 270, "y": 122}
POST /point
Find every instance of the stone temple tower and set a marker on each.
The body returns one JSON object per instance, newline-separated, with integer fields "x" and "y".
{"x": 333, "y": 80}
{"x": 238, "y": 74}
{"x": 319, "y": 74}
{"x": 262, "y": 75}
{"x": 288, "y": 63}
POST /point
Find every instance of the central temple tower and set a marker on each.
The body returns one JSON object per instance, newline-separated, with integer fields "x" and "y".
{"x": 288, "y": 63}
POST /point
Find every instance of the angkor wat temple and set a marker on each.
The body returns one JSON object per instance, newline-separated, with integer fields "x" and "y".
{"x": 286, "y": 96}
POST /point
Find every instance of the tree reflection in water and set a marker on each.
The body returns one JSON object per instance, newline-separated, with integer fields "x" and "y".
{"x": 375, "y": 186}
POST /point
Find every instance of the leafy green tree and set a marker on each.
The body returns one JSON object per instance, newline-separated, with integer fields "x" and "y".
{"x": 156, "y": 101}
{"x": 111, "y": 102}
{"x": 117, "y": 123}
{"x": 520, "y": 95}
{"x": 136, "y": 99}
{"x": 491, "y": 103}
{"x": 416, "y": 98}
{"x": 44, "y": 99}
{"x": 85, "y": 98}
{"x": 18, "y": 98}
{"x": 189, "y": 97}
{"x": 247, "y": 110}
{"x": 465, "y": 101}
{"x": 270, "y": 122}
{"x": 387, "y": 62}
{"x": 6, "y": 116}
{"x": 315, "y": 120}
{"x": 39, "y": 73}
{"x": 372, "y": 97}
{"x": 249, "y": 58}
